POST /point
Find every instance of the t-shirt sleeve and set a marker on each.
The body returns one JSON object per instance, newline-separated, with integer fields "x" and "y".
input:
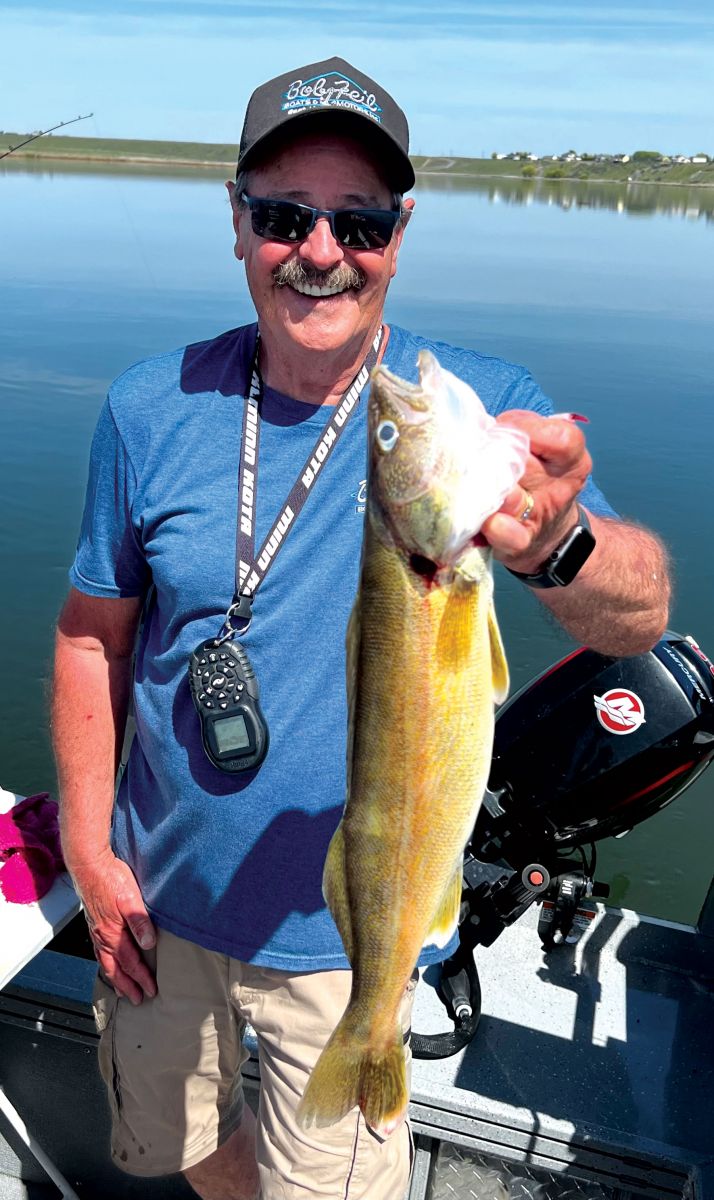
{"x": 110, "y": 560}
{"x": 524, "y": 392}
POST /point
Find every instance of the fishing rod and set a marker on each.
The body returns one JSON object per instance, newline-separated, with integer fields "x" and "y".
{"x": 43, "y": 133}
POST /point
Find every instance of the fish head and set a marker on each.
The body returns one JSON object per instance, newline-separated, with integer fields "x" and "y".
{"x": 439, "y": 464}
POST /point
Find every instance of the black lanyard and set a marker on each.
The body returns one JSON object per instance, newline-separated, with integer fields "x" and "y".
{"x": 251, "y": 568}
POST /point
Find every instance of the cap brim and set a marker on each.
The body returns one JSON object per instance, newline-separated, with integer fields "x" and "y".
{"x": 393, "y": 162}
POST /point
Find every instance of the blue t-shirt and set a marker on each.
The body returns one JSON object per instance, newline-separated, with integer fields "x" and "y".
{"x": 235, "y": 863}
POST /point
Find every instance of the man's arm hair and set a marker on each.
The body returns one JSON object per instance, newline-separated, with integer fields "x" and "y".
{"x": 91, "y": 688}
{"x": 619, "y": 603}
{"x": 92, "y": 683}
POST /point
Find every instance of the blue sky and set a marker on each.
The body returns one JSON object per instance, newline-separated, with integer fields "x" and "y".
{"x": 475, "y": 77}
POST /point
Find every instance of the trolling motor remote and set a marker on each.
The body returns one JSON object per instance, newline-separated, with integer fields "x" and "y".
{"x": 226, "y": 696}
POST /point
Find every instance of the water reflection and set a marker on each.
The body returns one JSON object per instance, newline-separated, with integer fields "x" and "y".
{"x": 634, "y": 199}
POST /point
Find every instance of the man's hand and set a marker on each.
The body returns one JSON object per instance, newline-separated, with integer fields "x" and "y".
{"x": 619, "y": 602}
{"x": 119, "y": 924}
{"x": 557, "y": 468}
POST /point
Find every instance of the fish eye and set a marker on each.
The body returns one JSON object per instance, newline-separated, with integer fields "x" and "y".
{"x": 387, "y": 435}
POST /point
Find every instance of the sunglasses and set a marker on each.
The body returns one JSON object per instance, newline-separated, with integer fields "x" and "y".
{"x": 354, "y": 228}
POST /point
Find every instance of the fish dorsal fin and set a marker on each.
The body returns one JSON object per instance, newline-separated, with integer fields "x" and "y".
{"x": 446, "y": 919}
{"x": 499, "y": 666}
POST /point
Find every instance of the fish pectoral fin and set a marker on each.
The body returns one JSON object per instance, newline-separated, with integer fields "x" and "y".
{"x": 499, "y": 666}
{"x": 447, "y": 915}
{"x": 334, "y": 889}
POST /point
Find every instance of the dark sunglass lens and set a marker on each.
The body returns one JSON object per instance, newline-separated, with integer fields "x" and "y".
{"x": 280, "y": 219}
{"x": 365, "y": 229}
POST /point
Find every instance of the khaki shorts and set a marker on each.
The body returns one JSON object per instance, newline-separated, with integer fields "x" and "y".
{"x": 172, "y": 1069}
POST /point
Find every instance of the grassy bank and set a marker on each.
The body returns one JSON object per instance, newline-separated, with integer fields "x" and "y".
{"x": 209, "y": 154}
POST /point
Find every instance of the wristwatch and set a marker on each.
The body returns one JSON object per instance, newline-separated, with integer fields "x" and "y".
{"x": 562, "y": 564}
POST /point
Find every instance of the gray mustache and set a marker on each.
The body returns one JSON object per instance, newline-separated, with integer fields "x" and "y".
{"x": 340, "y": 276}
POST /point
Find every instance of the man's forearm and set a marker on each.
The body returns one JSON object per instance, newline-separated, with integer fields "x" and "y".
{"x": 619, "y": 603}
{"x": 89, "y": 706}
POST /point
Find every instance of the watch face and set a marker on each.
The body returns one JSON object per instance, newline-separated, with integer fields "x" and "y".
{"x": 571, "y": 555}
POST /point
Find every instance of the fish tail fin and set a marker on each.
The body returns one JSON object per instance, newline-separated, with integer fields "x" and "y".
{"x": 350, "y": 1072}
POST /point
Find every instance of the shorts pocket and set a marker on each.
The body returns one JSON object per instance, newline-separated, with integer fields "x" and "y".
{"x": 105, "y": 1003}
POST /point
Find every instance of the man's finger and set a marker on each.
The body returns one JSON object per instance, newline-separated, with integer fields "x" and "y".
{"x": 118, "y": 979}
{"x": 560, "y": 444}
{"x": 507, "y": 536}
{"x": 143, "y": 931}
{"x": 519, "y": 504}
{"x": 131, "y": 908}
{"x": 132, "y": 964}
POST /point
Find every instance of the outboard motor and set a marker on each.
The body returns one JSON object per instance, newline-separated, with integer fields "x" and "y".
{"x": 588, "y": 750}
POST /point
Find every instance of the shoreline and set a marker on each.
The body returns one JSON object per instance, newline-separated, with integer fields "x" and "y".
{"x": 219, "y": 165}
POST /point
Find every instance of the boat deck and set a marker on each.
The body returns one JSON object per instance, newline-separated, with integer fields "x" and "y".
{"x": 591, "y": 1074}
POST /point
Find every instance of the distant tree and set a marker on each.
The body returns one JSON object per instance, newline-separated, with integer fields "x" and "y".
{"x": 555, "y": 172}
{"x": 528, "y": 171}
{"x": 494, "y": 154}
{"x": 646, "y": 156}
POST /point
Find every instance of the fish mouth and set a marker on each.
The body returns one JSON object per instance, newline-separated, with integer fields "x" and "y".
{"x": 309, "y": 282}
{"x": 406, "y": 399}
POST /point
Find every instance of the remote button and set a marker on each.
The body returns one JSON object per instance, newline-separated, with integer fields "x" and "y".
{"x": 219, "y": 680}
{"x": 223, "y": 704}
{"x": 221, "y": 695}
{"x": 240, "y": 685}
{"x": 202, "y": 662}
{"x": 210, "y": 691}
{"x": 208, "y": 704}
{"x": 212, "y": 657}
{"x": 202, "y": 696}
{"x": 222, "y": 656}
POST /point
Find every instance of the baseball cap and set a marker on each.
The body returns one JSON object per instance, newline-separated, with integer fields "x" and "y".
{"x": 330, "y": 94}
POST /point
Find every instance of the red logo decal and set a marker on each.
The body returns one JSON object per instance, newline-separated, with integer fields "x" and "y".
{"x": 700, "y": 653}
{"x": 619, "y": 711}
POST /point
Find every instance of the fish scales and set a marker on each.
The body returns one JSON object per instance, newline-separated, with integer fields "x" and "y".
{"x": 424, "y": 665}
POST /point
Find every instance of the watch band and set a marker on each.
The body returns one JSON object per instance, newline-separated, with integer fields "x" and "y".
{"x": 562, "y": 564}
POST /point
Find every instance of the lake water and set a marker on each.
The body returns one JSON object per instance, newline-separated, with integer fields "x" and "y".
{"x": 604, "y": 292}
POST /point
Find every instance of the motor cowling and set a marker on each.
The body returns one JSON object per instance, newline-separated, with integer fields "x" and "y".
{"x": 595, "y": 745}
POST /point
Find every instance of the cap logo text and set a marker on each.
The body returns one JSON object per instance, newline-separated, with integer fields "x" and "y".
{"x": 331, "y": 90}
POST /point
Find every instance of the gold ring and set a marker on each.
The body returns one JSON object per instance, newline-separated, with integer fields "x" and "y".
{"x": 530, "y": 503}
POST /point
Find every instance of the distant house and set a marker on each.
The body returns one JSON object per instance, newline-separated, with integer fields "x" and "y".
{"x": 620, "y": 158}
{"x": 681, "y": 158}
{"x": 700, "y": 158}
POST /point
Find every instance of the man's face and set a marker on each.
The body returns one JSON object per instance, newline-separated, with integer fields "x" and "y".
{"x": 327, "y": 172}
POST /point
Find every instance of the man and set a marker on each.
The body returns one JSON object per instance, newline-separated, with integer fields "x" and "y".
{"x": 205, "y": 903}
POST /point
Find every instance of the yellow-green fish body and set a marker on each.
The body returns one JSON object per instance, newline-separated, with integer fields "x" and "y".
{"x": 424, "y": 666}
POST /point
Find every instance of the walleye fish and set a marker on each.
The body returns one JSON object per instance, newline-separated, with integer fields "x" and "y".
{"x": 425, "y": 664}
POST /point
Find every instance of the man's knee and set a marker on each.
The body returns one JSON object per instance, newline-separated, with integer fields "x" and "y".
{"x": 230, "y": 1172}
